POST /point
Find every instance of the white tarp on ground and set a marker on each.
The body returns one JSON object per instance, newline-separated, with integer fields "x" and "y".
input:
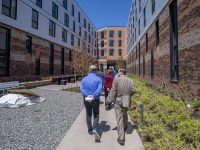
{"x": 18, "y": 100}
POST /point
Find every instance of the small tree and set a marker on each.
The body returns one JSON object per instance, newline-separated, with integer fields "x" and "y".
{"x": 81, "y": 60}
{"x": 121, "y": 63}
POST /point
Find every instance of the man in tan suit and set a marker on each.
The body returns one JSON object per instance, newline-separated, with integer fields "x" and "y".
{"x": 120, "y": 94}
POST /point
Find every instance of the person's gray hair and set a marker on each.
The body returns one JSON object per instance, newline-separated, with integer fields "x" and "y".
{"x": 123, "y": 71}
{"x": 92, "y": 68}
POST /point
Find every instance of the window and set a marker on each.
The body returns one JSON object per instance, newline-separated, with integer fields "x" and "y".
{"x": 79, "y": 42}
{"x": 79, "y": 17}
{"x": 119, "y": 52}
{"x": 157, "y": 33}
{"x": 136, "y": 53}
{"x": 174, "y": 66}
{"x": 89, "y": 39}
{"x": 52, "y": 28}
{"x": 139, "y": 58}
{"x": 62, "y": 61}
{"x": 102, "y": 52}
{"x": 119, "y": 34}
{"x": 70, "y": 55}
{"x": 95, "y": 52}
{"x": 147, "y": 42}
{"x": 153, "y": 6}
{"x": 111, "y": 34}
{"x": 111, "y": 43}
{"x": 84, "y": 23}
{"x": 102, "y": 43}
{"x": 152, "y": 64}
{"x": 4, "y": 51}
{"x": 111, "y": 52}
{"x": 72, "y": 40}
{"x": 119, "y": 43}
{"x": 136, "y": 60}
{"x": 65, "y": 3}
{"x": 95, "y": 43}
{"x": 39, "y": 3}
{"x": 37, "y": 66}
{"x": 88, "y": 27}
{"x": 51, "y": 59}
{"x": 135, "y": 34}
{"x": 80, "y": 31}
{"x": 85, "y": 35}
{"x": 64, "y": 35}
{"x": 9, "y": 8}
{"x": 34, "y": 19}
{"x": 54, "y": 10}
{"x": 102, "y": 35}
{"x": 144, "y": 15}
{"x": 88, "y": 48}
{"x": 136, "y": 15}
{"x": 139, "y": 27}
{"x": 74, "y": 26}
{"x": 29, "y": 44}
{"x": 72, "y": 10}
{"x": 140, "y": 8}
{"x": 92, "y": 30}
{"x": 66, "y": 20}
{"x": 143, "y": 65}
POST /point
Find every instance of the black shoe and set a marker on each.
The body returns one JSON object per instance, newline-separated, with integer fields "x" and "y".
{"x": 125, "y": 128}
{"x": 107, "y": 107}
{"x": 101, "y": 102}
{"x": 96, "y": 136}
{"x": 90, "y": 132}
{"x": 121, "y": 142}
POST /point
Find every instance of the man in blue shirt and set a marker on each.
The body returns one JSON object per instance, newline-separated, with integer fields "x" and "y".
{"x": 91, "y": 87}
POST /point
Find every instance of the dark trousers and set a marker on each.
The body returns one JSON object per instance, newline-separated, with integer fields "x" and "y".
{"x": 92, "y": 107}
{"x": 106, "y": 96}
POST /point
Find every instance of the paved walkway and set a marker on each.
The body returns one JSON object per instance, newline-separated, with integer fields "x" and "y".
{"x": 77, "y": 137}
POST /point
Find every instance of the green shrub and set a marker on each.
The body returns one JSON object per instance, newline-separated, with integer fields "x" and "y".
{"x": 189, "y": 131}
{"x": 167, "y": 123}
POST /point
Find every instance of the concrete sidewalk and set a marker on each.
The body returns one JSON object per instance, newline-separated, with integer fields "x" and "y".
{"x": 77, "y": 137}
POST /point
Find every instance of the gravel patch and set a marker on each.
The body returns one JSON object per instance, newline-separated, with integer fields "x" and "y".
{"x": 41, "y": 126}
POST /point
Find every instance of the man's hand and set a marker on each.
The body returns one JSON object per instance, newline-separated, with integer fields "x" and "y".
{"x": 89, "y": 98}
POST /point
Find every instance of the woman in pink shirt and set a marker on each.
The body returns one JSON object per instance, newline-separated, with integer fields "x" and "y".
{"x": 108, "y": 80}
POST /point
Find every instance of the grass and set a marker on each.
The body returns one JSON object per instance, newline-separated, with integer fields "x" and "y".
{"x": 168, "y": 124}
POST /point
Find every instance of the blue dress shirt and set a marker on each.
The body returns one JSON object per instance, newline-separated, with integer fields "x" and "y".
{"x": 91, "y": 85}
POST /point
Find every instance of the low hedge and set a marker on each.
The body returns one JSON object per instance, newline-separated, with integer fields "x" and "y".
{"x": 167, "y": 123}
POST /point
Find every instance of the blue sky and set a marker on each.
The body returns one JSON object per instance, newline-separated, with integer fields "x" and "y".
{"x": 106, "y": 12}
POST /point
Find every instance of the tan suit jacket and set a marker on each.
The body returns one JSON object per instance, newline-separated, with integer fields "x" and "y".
{"x": 122, "y": 90}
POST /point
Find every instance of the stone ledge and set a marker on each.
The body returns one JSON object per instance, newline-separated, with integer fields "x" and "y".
{"x": 33, "y": 84}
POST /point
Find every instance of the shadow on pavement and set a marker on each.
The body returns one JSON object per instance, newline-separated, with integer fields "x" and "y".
{"x": 129, "y": 130}
{"x": 103, "y": 127}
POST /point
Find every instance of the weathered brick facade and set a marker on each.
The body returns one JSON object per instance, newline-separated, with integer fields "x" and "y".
{"x": 22, "y": 66}
{"x": 188, "y": 13}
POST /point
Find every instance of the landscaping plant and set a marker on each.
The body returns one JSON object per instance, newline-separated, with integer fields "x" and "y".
{"x": 168, "y": 124}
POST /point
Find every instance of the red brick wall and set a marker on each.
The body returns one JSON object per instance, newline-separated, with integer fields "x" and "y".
{"x": 189, "y": 52}
{"x": 22, "y": 64}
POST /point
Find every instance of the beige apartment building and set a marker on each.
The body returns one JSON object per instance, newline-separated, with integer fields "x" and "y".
{"x": 111, "y": 46}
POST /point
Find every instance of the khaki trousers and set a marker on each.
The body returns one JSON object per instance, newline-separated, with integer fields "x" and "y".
{"x": 122, "y": 120}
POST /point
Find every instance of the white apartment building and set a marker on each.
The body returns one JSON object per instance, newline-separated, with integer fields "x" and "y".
{"x": 62, "y": 23}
